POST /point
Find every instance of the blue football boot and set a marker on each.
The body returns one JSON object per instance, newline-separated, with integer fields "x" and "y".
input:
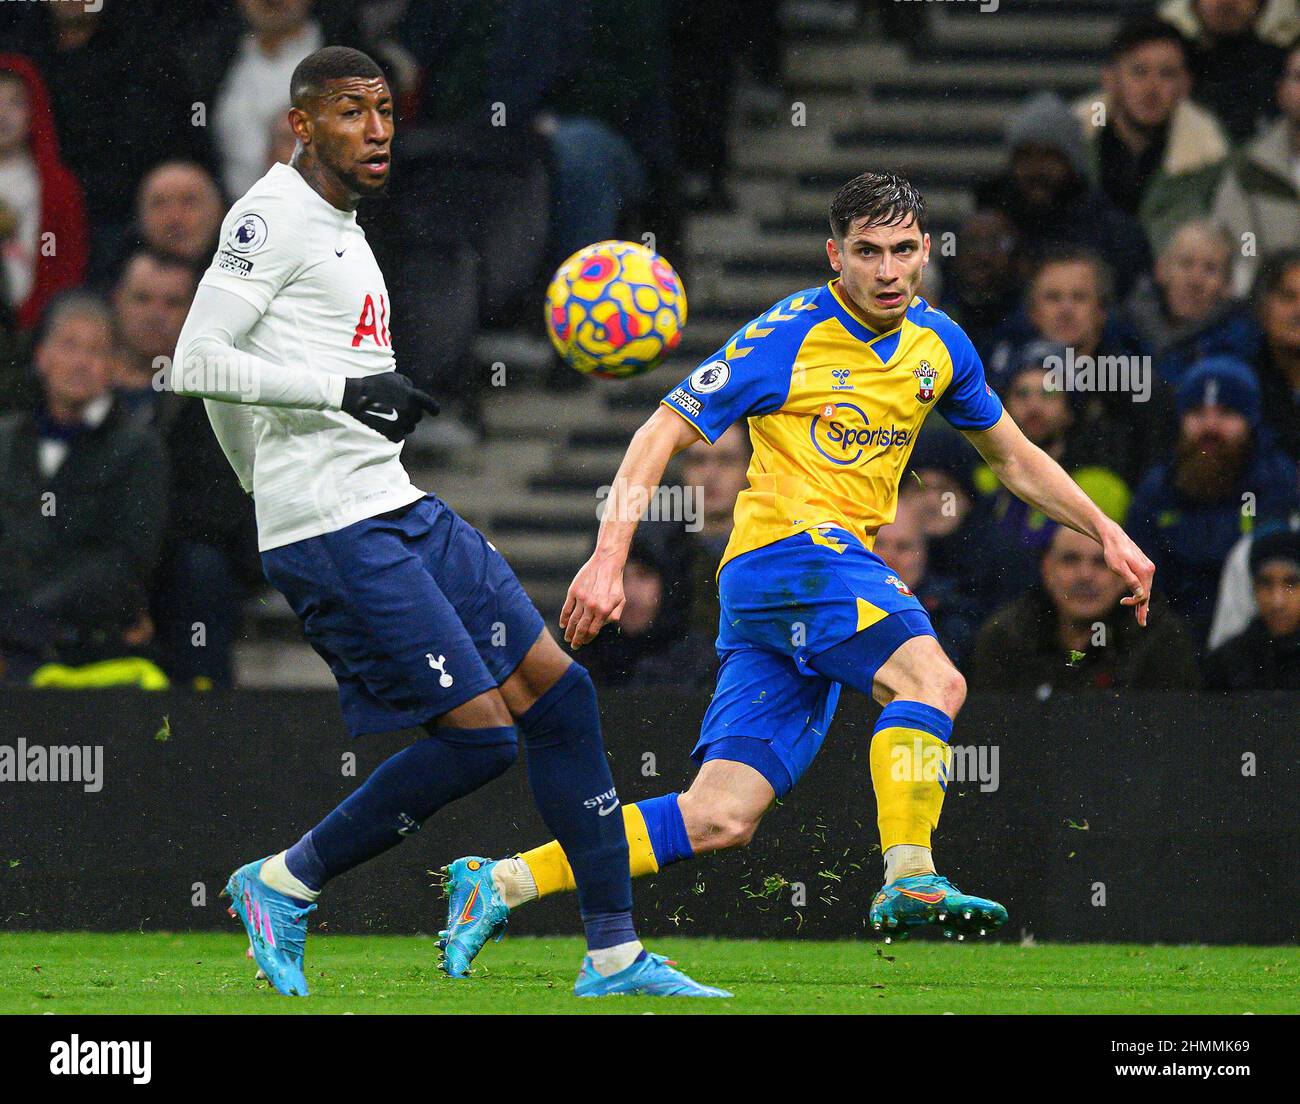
{"x": 651, "y": 975}
{"x": 929, "y": 899}
{"x": 276, "y": 926}
{"x": 475, "y": 914}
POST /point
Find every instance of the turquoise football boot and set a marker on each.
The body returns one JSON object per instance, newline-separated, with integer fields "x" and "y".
{"x": 930, "y": 899}
{"x": 276, "y": 926}
{"x": 475, "y": 914}
{"x": 651, "y": 975}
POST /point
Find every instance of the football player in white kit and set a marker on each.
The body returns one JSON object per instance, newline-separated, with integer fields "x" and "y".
{"x": 420, "y": 618}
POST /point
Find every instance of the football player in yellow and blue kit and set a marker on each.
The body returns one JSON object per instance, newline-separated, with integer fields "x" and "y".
{"x": 835, "y": 383}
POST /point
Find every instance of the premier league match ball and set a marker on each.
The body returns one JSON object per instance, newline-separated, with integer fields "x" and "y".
{"x": 614, "y": 309}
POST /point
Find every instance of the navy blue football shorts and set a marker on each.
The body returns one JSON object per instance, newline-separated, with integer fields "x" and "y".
{"x": 414, "y": 611}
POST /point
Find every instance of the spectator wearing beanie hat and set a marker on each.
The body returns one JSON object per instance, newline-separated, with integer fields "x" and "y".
{"x": 1266, "y": 655}
{"x": 1046, "y": 192}
{"x": 1224, "y": 478}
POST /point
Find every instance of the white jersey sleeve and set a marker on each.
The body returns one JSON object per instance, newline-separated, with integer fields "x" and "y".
{"x": 209, "y": 363}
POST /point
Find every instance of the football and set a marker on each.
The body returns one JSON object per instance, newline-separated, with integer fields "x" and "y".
{"x": 614, "y": 309}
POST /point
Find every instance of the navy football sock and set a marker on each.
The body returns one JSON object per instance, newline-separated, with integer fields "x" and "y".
{"x": 404, "y": 791}
{"x": 575, "y": 794}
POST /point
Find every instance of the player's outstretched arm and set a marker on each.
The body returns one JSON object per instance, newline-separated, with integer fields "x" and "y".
{"x": 596, "y": 594}
{"x": 1034, "y": 477}
{"x": 209, "y": 365}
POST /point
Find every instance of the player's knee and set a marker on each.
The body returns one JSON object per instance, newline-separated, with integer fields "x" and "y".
{"x": 952, "y": 689}
{"x": 715, "y": 826}
{"x": 735, "y": 831}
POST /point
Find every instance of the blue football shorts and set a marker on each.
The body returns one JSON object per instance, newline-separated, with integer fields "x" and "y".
{"x": 783, "y": 608}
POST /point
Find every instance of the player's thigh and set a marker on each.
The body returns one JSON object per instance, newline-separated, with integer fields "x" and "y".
{"x": 394, "y": 641}
{"x": 920, "y": 670}
{"x": 488, "y": 599}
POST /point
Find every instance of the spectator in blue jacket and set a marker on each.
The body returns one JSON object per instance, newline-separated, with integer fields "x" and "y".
{"x": 1225, "y": 477}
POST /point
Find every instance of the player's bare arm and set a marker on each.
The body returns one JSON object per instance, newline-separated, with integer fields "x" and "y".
{"x": 1034, "y": 477}
{"x": 596, "y": 594}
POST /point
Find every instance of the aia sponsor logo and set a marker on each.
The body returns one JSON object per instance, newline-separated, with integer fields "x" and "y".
{"x": 373, "y": 324}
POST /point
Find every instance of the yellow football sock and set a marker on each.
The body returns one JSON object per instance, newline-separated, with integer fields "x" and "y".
{"x": 553, "y": 874}
{"x": 909, "y": 770}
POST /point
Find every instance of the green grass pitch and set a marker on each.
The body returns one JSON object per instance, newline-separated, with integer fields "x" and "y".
{"x": 207, "y": 973}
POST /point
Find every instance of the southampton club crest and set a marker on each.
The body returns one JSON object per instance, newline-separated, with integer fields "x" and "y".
{"x": 925, "y": 380}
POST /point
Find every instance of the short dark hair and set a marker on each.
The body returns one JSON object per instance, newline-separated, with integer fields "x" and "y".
{"x": 1141, "y": 31}
{"x": 327, "y": 64}
{"x": 884, "y": 199}
{"x": 1272, "y": 272}
{"x": 162, "y": 260}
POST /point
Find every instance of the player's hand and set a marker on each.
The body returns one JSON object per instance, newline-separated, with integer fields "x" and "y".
{"x": 595, "y": 598}
{"x": 1129, "y": 562}
{"x": 388, "y": 403}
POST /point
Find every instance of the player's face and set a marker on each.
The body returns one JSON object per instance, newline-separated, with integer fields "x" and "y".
{"x": 1076, "y": 578}
{"x": 1065, "y": 305}
{"x": 880, "y": 269}
{"x": 351, "y": 133}
{"x": 1194, "y": 275}
{"x": 1147, "y": 83}
{"x": 1277, "y": 593}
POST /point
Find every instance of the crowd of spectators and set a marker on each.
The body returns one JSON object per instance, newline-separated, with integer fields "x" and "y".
{"x": 1147, "y": 235}
{"x": 527, "y": 129}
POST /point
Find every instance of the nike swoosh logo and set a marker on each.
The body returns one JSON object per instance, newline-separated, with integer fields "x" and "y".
{"x": 391, "y": 416}
{"x": 606, "y": 812}
{"x": 467, "y": 913}
{"x": 928, "y": 897}
{"x": 339, "y": 252}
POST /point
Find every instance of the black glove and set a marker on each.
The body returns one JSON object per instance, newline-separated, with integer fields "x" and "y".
{"x": 389, "y": 403}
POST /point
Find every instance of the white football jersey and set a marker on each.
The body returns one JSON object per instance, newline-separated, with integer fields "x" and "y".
{"x": 307, "y": 267}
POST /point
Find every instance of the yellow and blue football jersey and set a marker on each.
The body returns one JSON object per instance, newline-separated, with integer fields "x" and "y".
{"x": 834, "y": 410}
